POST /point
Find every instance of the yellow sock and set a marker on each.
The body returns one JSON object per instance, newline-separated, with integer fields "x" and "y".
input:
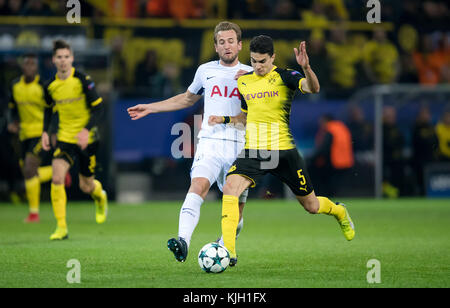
{"x": 33, "y": 191}
{"x": 45, "y": 174}
{"x": 328, "y": 207}
{"x": 59, "y": 200}
{"x": 97, "y": 193}
{"x": 230, "y": 221}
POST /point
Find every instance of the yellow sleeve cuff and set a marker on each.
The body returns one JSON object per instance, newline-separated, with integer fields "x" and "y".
{"x": 95, "y": 103}
{"x": 300, "y": 85}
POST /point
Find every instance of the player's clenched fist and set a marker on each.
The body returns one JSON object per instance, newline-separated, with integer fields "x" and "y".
{"x": 213, "y": 120}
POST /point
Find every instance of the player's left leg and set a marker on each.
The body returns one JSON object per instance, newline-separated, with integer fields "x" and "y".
{"x": 93, "y": 187}
{"x": 59, "y": 198}
{"x": 89, "y": 185}
{"x": 323, "y": 205}
{"x": 292, "y": 171}
{"x": 32, "y": 186}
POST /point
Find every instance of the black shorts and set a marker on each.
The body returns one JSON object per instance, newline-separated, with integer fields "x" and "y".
{"x": 72, "y": 153}
{"x": 286, "y": 165}
{"x": 34, "y": 146}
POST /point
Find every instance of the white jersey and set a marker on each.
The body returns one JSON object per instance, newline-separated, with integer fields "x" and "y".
{"x": 221, "y": 97}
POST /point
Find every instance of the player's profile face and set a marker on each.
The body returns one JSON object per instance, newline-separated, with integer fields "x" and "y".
{"x": 261, "y": 63}
{"x": 63, "y": 59}
{"x": 227, "y": 47}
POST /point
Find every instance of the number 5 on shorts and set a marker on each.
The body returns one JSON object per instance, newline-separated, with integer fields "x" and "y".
{"x": 301, "y": 177}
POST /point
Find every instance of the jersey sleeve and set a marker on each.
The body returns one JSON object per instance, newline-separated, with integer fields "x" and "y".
{"x": 12, "y": 106}
{"x": 92, "y": 97}
{"x": 244, "y": 107}
{"x": 196, "y": 86}
{"x": 292, "y": 79}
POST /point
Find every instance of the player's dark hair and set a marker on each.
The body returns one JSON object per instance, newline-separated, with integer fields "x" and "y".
{"x": 262, "y": 44}
{"x": 60, "y": 44}
{"x": 31, "y": 55}
{"x": 226, "y": 26}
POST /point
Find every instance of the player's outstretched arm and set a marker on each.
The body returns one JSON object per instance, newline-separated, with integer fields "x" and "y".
{"x": 180, "y": 101}
{"x": 239, "y": 119}
{"x": 311, "y": 83}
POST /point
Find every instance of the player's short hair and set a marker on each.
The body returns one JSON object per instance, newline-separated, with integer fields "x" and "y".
{"x": 225, "y": 26}
{"x": 60, "y": 44}
{"x": 262, "y": 44}
{"x": 30, "y": 55}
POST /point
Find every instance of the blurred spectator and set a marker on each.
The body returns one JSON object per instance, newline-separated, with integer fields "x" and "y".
{"x": 147, "y": 76}
{"x": 284, "y": 9}
{"x": 3, "y": 8}
{"x": 250, "y": 9}
{"x": 118, "y": 63}
{"x": 360, "y": 129}
{"x": 171, "y": 81}
{"x": 380, "y": 59}
{"x": 157, "y": 8}
{"x": 393, "y": 158}
{"x": 435, "y": 16}
{"x": 430, "y": 61}
{"x": 178, "y": 9}
{"x": 424, "y": 146}
{"x": 333, "y": 156}
{"x": 335, "y": 9}
{"x": 344, "y": 59}
{"x": 15, "y": 7}
{"x": 408, "y": 71}
{"x": 37, "y": 8}
{"x": 443, "y": 135}
{"x": 315, "y": 18}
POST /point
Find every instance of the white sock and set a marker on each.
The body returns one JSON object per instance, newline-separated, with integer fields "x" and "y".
{"x": 238, "y": 230}
{"x": 189, "y": 216}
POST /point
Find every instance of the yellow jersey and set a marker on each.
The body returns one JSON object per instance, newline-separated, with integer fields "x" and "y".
{"x": 267, "y": 101}
{"x": 27, "y": 101}
{"x": 74, "y": 99}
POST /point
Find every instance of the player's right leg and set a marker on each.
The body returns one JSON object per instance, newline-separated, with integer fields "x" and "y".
{"x": 32, "y": 186}
{"x": 189, "y": 217}
{"x": 234, "y": 187}
{"x": 58, "y": 197}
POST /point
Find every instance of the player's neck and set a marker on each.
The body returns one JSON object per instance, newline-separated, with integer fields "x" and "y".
{"x": 63, "y": 75}
{"x": 234, "y": 63}
{"x": 29, "y": 79}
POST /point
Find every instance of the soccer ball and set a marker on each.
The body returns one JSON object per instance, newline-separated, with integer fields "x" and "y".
{"x": 213, "y": 258}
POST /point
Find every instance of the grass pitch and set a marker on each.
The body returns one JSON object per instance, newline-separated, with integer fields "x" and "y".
{"x": 281, "y": 246}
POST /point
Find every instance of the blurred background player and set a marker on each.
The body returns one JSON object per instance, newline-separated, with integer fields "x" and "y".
{"x": 266, "y": 102}
{"x": 26, "y": 107}
{"x": 79, "y": 108}
{"x": 217, "y": 147}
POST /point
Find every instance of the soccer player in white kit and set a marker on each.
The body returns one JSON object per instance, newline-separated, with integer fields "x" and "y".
{"x": 218, "y": 145}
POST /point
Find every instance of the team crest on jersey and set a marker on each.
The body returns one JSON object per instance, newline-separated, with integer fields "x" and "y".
{"x": 273, "y": 79}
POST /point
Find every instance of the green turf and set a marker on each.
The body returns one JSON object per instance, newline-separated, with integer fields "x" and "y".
{"x": 281, "y": 246}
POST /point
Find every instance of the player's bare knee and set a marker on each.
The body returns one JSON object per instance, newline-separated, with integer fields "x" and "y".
{"x": 199, "y": 187}
{"x": 86, "y": 187}
{"x": 57, "y": 179}
{"x": 29, "y": 172}
{"x": 310, "y": 205}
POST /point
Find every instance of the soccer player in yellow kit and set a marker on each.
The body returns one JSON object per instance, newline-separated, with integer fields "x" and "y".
{"x": 266, "y": 96}
{"x": 79, "y": 108}
{"x": 26, "y": 106}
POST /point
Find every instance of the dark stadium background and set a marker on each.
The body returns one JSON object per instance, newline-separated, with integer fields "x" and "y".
{"x": 357, "y": 68}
